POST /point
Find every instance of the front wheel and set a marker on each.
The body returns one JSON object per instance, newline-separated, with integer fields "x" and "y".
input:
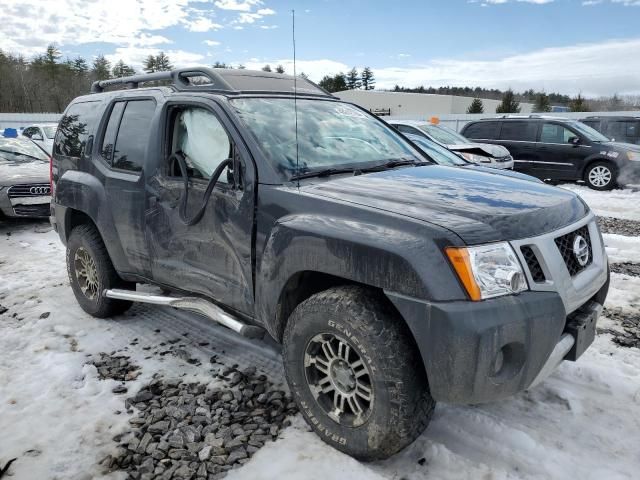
{"x": 355, "y": 373}
{"x": 91, "y": 273}
{"x": 600, "y": 176}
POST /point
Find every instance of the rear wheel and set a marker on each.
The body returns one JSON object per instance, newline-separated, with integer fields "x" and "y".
{"x": 91, "y": 273}
{"x": 355, "y": 373}
{"x": 600, "y": 176}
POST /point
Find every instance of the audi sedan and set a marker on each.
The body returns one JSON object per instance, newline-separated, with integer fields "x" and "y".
{"x": 25, "y": 190}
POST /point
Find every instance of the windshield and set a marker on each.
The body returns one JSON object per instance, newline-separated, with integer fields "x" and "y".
{"x": 21, "y": 150}
{"x": 438, "y": 153}
{"x": 591, "y": 133}
{"x": 330, "y": 134}
{"x": 50, "y": 132}
{"x": 444, "y": 135}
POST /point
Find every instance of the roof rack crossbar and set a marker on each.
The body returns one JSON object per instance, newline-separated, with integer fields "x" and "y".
{"x": 179, "y": 78}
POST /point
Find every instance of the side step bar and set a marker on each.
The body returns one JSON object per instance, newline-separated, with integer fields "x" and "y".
{"x": 193, "y": 304}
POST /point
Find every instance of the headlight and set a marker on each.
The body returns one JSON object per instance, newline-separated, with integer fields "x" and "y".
{"x": 488, "y": 271}
{"x": 472, "y": 157}
{"x": 633, "y": 156}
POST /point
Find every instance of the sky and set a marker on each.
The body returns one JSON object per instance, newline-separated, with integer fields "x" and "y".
{"x": 569, "y": 46}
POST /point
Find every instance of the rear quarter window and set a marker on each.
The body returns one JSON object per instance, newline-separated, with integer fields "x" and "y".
{"x": 133, "y": 135}
{"x": 483, "y": 130}
{"x": 75, "y": 127}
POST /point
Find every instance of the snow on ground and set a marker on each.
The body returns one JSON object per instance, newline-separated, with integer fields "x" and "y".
{"x": 58, "y": 419}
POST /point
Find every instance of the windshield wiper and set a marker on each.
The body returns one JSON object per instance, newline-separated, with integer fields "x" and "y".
{"x": 323, "y": 173}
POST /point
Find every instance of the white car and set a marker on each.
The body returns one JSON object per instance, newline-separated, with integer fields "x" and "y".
{"x": 42, "y": 134}
{"x": 483, "y": 153}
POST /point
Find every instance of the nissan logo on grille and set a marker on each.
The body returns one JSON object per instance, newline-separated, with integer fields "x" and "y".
{"x": 581, "y": 250}
{"x": 39, "y": 190}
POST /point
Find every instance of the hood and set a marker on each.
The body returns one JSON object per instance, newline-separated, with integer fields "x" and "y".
{"x": 503, "y": 171}
{"x": 12, "y": 173}
{"x": 479, "y": 207}
{"x": 495, "y": 151}
{"x": 623, "y": 146}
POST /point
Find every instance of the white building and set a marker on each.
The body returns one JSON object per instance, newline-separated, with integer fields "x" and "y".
{"x": 417, "y": 105}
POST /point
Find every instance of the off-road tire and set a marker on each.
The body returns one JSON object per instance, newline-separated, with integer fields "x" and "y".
{"x": 402, "y": 405}
{"x": 593, "y": 168}
{"x": 87, "y": 238}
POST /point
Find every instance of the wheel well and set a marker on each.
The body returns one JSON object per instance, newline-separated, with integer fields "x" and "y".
{"x": 75, "y": 218}
{"x": 613, "y": 166}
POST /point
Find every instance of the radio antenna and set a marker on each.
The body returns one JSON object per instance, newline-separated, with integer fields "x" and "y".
{"x": 295, "y": 92}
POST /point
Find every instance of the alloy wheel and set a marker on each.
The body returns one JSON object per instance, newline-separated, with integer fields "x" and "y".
{"x": 86, "y": 273}
{"x": 339, "y": 380}
{"x": 600, "y": 176}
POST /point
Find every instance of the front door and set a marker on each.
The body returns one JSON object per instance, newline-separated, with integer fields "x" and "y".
{"x": 212, "y": 257}
{"x": 519, "y": 137}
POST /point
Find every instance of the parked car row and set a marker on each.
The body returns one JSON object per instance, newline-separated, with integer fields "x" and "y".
{"x": 561, "y": 149}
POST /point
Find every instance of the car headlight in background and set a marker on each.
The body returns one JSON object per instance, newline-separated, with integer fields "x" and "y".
{"x": 488, "y": 271}
{"x": 472, "y": 157}
{"x": 633, "y": 156}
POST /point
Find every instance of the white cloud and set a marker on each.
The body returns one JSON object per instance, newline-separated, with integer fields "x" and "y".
{"x": 248, "y": 17}
{"x": 593, "y": 69}
{"x": 242, "y": 6}
{"x": 201, "y": 24}
{"x": 211, "y": 43}
{"x": 484, "y": 3}
{"x": 134, "y": 56}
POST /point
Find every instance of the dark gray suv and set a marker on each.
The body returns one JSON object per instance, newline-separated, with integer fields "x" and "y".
{"x": 559, "y": 149}
{"x": 269, "y": 206}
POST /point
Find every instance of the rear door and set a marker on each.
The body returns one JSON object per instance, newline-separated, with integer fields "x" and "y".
{"x": 122, "y": 156}
{"x": 213, "y": 257}
{"x": 519, "y": 137}
{"x": 559, "y": 158}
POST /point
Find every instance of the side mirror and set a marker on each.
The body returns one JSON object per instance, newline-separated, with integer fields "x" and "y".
{"x": 574, "y": 140}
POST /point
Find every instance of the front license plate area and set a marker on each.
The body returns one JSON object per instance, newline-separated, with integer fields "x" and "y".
{"x": 582, "y": 325}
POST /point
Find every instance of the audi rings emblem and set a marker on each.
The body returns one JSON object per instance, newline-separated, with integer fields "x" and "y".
{"x": 40, "y": 190}
{"x": 581, "y": 250}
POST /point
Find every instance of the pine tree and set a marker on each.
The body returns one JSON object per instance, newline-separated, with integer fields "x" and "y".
{"x": 241, "y": 67}
{"x": 101, "y": 69}
{"x": 149, "y": 64}
{"x": 121, "y": 69}
{"x": 162, "y": 63}
{"x": 509, "y": 103}
{"x": 304, "y": 75}
{"x": 368, "y": 81}
{"x": 279, "y": 69}
{"x": 542, "y": 103}
{"x": 337, "y": 83}
{"x": 578, "y": 104}
{"x": 266, "y": 68}
{"x": 614, "y": 104}
{"x": 353, "y": 80}
{"x": 476, "y": 106}
{"x": 79, "y": 66}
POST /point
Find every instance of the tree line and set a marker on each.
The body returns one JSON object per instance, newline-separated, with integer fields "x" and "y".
{"x": 352, "y": 80}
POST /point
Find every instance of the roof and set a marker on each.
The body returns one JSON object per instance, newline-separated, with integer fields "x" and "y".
{"x": 220, "y": 80}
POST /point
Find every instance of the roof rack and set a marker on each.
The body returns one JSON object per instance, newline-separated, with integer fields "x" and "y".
{"x": 179, "y": 78}
{"x": 222, "y": 80}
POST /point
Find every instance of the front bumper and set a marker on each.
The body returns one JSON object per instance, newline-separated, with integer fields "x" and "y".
{"x": 35, "y": 207}
{"x": 485, "y": 351}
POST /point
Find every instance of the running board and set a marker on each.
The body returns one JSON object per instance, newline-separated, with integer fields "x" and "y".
{"x": 193, "y": 304}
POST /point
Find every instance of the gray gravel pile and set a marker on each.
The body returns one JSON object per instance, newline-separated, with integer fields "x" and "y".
{"x": 620, "y": 226}
{"x": 116, "y": 367}
{"x": 195, "y": 431}
{"x": 626, "y": 268}
{"x": 630, "y": 323}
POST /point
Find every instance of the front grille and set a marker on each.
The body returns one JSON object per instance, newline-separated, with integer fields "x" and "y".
{"x": 29, "y": 190}
{"x": 39, "y": 210}
{"x": 565, "y": 245}
{"x": 534, "y": 265}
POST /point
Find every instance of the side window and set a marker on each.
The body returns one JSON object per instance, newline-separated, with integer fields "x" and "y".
{"x": 554, "y": 133}
{"x": 200, "y": 137}
{"x": 74, "y": 128}
{"x": 109, "y": 139}
{"x": 519, "y": 131}
{"x": 133, "y": 135}
{"x": 28, "y": 132}
{"x": 482, "y": 130}
{"x": 408, "y": 129}
{"x": 633, "y": 129}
